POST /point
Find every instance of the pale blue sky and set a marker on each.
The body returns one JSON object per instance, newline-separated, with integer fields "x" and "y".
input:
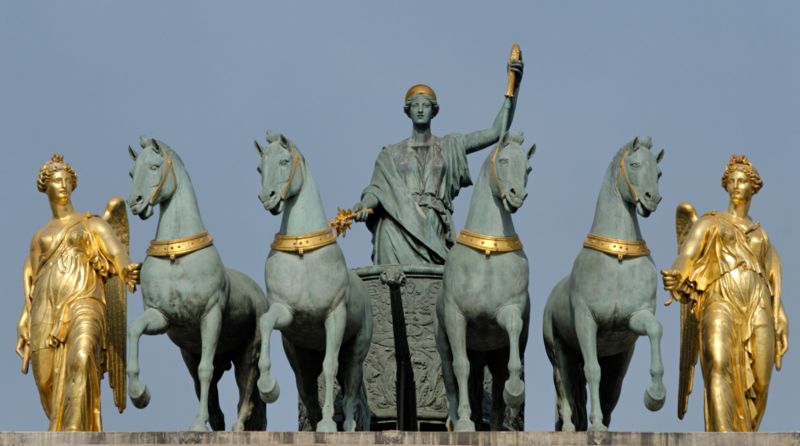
{"x": 704, "y": 79}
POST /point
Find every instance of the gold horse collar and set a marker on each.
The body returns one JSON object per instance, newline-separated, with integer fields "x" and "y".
{"x": 179, "y": 246}
{"x": 616, "y": 247}
{"x": 488, "y": 243}
{"x": 304, "y": 242}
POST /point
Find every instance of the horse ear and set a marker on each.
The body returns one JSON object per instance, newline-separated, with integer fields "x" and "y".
{"x": 284, "y": 141}
{"x": 143, "y": 141}
{"x": 132, "y": 153}
{"x": 660, "y": 156}
{"x": 635, "y": 145}
{"x": 259, "y": 149}
{"x": 531, "y": 151}
{"x": 270, "y": 137}
{"x": 156, "y": 147}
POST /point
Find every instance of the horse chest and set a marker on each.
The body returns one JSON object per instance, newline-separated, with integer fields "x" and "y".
{"x": 180, "y": 291}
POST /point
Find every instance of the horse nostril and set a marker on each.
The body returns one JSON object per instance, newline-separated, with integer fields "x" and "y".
{"x": 512, "y": 191}
{"x": 648, "y": 195}
{"x": 271, "y": 194}
{"x": 138, "y": 199}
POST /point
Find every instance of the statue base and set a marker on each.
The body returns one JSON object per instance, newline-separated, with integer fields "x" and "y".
{"x": 398, "y": 438}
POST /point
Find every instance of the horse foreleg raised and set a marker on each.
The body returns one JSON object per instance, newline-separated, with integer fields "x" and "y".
{"x": 277, "y": 317}
{"x": 334, "y": 333}
{"x": 210, "y": 327}
{"x": 456, "y": 328}
{"x": 151, "y": 322}
{"x": 645, "y": 323}
{"x": 586, "y": 329}
{"x": 510, "y": 320}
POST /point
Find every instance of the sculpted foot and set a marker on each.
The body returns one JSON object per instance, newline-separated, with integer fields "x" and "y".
{"x": 514, "y": 393}
{"x": 654, "y": 396}
{"x": 139, "y": 394}
{"x": 268, "y": 388}
{"x": 465, "y": 426}
{"x": 326, "y": 426}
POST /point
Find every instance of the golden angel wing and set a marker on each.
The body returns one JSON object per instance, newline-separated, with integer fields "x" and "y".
{"x": 685, "y": 216}
{"x": 117, "y": 306}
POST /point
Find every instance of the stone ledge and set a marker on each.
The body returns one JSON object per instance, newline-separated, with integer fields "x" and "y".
{"x": 389, "y": 438}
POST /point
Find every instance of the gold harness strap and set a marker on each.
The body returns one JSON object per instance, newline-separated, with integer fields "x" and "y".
{"x": 303, "y": 243}
{"x": 296, "y": 158}
{"x": 161, "y": 183}
{"x": 627, "y": 179}
{"x": 180, "y": 246}
{"x": 617, "y": 247}
{"x": 488, "y": 243}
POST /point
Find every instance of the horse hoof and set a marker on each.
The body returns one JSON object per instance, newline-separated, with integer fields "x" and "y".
{"x": 654, "y": 397}
{"x": 326, "y": 426}
{"x": 568, "y": 427}
{"x": 514, "y": 393}
{"x": 198, "y": 427}
{"x": 139, "y": 394}
{"x": 349, "y": 426}
{"x": 598, "y": 427}
{"x": 237, "y": 427}
{"x": 464, "y": 426}
{"x": 268, "y": 389}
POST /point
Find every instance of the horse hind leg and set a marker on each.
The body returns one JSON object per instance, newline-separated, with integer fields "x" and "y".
{"x": 614, "y": 369}
{"x": 497, "y": 363}
{"x": 252, "y": 412}
{"x": 510, "y": 320}
{"x": 644, "y": 322}
{"x": 276, "y": 318}
{"x": 307, "y": 365}
{"x": 446, "y": 357}
{"x": 569, "y": 383}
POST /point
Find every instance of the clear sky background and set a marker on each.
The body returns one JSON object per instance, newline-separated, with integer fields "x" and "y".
{"x": 704, "y": 79}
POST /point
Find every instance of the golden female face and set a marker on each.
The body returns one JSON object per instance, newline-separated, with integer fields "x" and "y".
{"x": 739, "y": 187}
{"x": 59, "y": 188}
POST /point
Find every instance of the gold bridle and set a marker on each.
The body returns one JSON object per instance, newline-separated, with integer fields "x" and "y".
{"x": 296, "y": 158}
{"x": 163, "y": 180}
{"x": 627, "y": 179}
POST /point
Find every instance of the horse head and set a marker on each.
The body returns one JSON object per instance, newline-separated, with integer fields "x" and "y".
{"x": 153, "y": 175}
{"x": 509, "y": 169}
{"x": 637, "y": 175}
{"x": 281, "y": 170}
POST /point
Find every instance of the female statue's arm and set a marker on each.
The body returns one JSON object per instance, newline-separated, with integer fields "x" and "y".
{"x": 113, "y": 249}
{"x": 774, "y": 275}
{"x": 683, "y": 266}
{"x": 484, "y": 138}
{"x": 28, "y": 277}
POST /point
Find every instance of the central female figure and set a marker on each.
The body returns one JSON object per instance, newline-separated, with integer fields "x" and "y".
{"x": 415, "y": 181}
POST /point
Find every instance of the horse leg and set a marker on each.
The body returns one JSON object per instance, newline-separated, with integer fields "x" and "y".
{"x": 510, "y": 320}
{"x": 456, "y": 327}
{"x": 151, "y": 322}
{"x": 334, "y": 333}
{"x": 497, "y": 362}
{"x": 278, "y": 316}
{"x": 251, "y": 413}
{"x": 644, "y": 322}
{"x": 216, "y": 419}
{"x": 307, "y": 365}
{"x": 446, "y": 356}
{"x": 565, "y": 361}
{"x": 352, "y": 356}
{"x": 613, "y": 369}
{"x": 586, "y": 330}
{"x": 210, "y": 326}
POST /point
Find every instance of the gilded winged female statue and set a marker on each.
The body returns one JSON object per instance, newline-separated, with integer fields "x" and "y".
{"x": 72, "y": 327}
{"x": 728, "y": 277}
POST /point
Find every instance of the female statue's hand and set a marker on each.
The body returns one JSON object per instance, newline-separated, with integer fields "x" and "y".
{"x": 672, "y": 279}
{"x": 781, "y": 338}
{"x": 131, "y": 275}
{"x": 361, "y": 211}
{"x": 517, "y": 66}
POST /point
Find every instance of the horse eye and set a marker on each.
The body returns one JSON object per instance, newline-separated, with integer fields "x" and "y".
{"x": 635, "y": 164}
{"x": 659, "y": 174}
{"x": 284, "y": 162}
{"x": 503, "y": 161}
{"x": 258, "y": 169}
{"x": 154, "y": 167}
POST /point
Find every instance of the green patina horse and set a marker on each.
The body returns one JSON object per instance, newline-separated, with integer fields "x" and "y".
{"x": 211, "y": 313}
{"x": 482, "y": 313}
{"x": 594, "y": 316}
{"x": 321, "y": 308}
